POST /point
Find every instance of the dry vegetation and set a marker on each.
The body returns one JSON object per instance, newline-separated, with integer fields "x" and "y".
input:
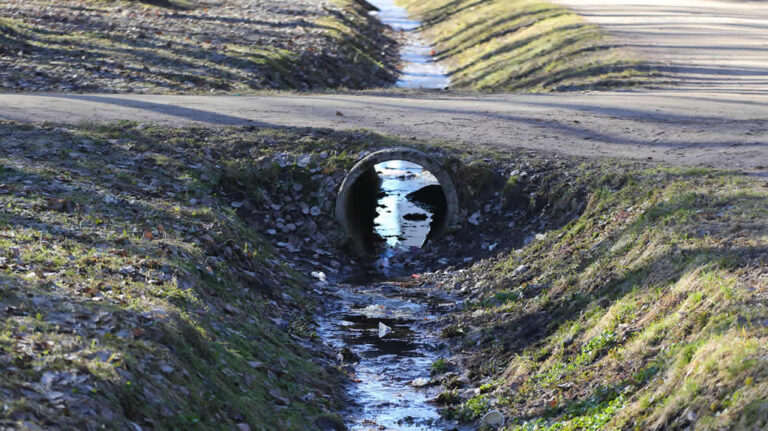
{"x": 647, "y": 312}
{"x": 200, "y": 46}
{"x": 524, "y": 45}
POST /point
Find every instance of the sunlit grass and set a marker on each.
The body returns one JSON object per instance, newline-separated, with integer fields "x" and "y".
{"x": 524, "y": 45}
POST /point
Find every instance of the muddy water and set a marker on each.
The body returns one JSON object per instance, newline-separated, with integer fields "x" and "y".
{"x": 386, "y": 367}
{"x": 419, "y": 68}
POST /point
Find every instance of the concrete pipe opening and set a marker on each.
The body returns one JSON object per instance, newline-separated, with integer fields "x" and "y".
{"x": 398, "y": 198}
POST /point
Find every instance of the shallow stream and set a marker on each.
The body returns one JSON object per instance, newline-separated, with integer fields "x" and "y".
{"x": 402, "y": 223}
{"x": 419, "y": 68}
{"x": 389, "y": 361}
{"x": 384, "y": 322}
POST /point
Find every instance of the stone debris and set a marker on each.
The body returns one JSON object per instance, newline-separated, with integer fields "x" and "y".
{"x": 475, "y": 219}
{"x": 493, "y": 419}
{"x": 384, "y": 330}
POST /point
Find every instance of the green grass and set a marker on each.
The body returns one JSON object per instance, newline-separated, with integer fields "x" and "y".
{"x": 439, "y": 366}
{"x": 650, "y": 311}
{"x": 346, "y": 50}
{"x": 110, "y": 273}
{"x": 524, "y": 45}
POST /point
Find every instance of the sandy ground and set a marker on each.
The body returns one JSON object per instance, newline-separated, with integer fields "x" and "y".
{"x": 720, "y": 45}
{"x": 681, "y": 127}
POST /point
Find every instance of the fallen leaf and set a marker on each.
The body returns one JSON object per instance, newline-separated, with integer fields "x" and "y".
{"x": 58, "y": 204}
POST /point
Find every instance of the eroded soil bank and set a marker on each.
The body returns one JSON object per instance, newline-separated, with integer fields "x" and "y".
{"x": 158, "y": 278}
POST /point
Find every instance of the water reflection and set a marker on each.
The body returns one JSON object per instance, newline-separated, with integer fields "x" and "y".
{"x": 419, "y": 68}
{"x": 403, "y": 223}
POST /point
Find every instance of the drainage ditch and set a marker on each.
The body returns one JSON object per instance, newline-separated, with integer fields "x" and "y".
{"x": 418, "y": 68}
{"x": 404, "y": 213}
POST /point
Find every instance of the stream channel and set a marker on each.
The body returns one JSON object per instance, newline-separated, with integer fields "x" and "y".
{"x": 385, "y": 322}
{"x": 382, "y": 320}
{"x": 419, "y": 70}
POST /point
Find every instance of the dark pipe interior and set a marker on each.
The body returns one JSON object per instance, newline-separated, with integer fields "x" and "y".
{"x": 362, "y": 208}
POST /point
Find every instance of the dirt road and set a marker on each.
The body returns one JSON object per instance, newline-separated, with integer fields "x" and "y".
{"x": 681, "y": 127}
{"x": 717, "y": 115}
{"x": 720, "y": 45}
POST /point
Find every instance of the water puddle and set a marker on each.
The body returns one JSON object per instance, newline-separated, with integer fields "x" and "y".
{"x": 387, "y": 328}
{"x": 419, "y": 68}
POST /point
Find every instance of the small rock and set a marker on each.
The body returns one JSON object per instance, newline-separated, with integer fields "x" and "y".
{"x": 520, "y": 270}
{"x": 415, "y": 216}
{"x": 384, "y": 330}
{"x": 278, "y": 396}
{"x": 419, "y": 382}
{"x": 243, "y": 427}
{"x": 231, "y": 309}
{"x": 493, "y": 419}
{"x": 474, "y": 219}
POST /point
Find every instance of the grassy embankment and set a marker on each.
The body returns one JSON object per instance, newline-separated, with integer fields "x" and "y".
{"x": 189, "y": 46}
{"x": 132, "y": 290}
{"x": 524, "y": 45}
{"x": 647, "y": 312}
{"x": 131, "y": 287}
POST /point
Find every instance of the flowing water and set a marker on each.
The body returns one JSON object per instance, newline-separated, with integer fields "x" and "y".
{"x": 383, "y": 395}
{"x": 402, "y": 223}
{"x": 389, "y": 326}
{"x": 419, "y": 69}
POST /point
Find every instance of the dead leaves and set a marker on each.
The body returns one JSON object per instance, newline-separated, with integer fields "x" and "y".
{"x": 61, "y": 205}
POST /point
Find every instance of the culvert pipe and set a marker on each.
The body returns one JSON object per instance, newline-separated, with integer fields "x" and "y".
{"x": 357, "y": 196}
